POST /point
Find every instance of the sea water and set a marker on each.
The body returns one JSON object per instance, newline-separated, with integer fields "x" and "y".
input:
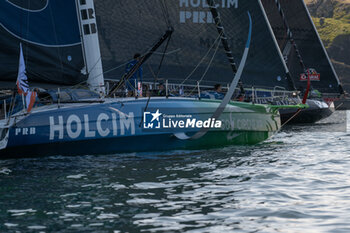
{"x": 298, "y": 181}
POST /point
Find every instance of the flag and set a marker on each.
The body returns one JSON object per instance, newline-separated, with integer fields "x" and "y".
{"x": 22, "y": 83}
{"x": 30, "y": 100}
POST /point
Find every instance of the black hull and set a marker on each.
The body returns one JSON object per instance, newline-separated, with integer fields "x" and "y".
{"x": 314, "y": 113}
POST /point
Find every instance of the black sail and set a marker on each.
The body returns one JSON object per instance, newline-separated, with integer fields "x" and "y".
{"x": 133, "y": 26}
{"x": 49, "y": 33}
{"x": 309, "y": 44}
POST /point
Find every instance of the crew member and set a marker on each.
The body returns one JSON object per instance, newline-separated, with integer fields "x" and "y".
{"x": 218, "y": 92}
{"x": 161, "y": 91}
{"x": 218, "y": 88}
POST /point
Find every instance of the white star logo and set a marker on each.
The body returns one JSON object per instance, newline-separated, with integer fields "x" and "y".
{"x": 156, "y": 115}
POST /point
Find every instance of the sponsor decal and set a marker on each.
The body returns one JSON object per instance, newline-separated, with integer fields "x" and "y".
{"x": 157, "y": 120}
{"x": 105, "y": 125}
{"x": 312, "y": 73}
{"x": 194, "y": 10}
{"x": 88, "y": 18}
{"x": 25, "y": 131}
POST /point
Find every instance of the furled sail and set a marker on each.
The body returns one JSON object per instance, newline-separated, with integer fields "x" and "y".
{"x": 129, "y": 27}
{"x": 49, "y": 32}
{"x": 312, "y": 51}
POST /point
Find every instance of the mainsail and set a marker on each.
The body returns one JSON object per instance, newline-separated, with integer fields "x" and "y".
{"x": 129, "y": 27}
{"x": 305, "y": 36}
{"x": 50, "y": 35}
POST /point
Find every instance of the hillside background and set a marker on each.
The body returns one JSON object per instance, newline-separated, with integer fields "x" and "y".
{"x": 332, "y": 19}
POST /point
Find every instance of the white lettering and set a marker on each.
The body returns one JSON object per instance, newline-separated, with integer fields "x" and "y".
{"x": 196, "y": 16}
{"x": 127, "y": 122}
{"x": 58, "y": 127}
{"x": 232, "y": 3}
{"x": 88, "y": 133}
{"x": 100, "y": 118}
{"x": 195, "y": 3}
{"x": 71, "y": 132}
{"x": 204, "y": 4}
{"x": 190, "y": 123}
{"x": 202, "y": 16}
{"x": 184, "y": 3}
{"x": 181, "y": 124}
{"x": 182, "y": 17}
{"x": 32, "y": 131}
{"x": 206, "y": 124}
{"x": 18, "y": 131}
{"x": 114, "y": 124}
{"x": 165, "y": 125}
{"x": 188, "y": 15}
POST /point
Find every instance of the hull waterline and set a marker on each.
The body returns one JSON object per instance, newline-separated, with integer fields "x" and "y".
{"x": 116, "y": 126}
{"x": 316, "y": 111}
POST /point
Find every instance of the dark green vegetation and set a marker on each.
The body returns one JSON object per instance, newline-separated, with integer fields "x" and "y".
{"x": 332, "y": 19}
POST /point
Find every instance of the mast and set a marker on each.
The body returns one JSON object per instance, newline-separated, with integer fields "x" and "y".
{"x": 90, "y": 44}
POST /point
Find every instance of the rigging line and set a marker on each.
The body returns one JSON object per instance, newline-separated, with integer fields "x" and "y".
{"x": 143, "y": 59}
{"x": 165, "y": 13}
{"x": 290, "y": 34}
{"x": 163, "y": 56}
{"x": 300, "y": 109}
{"x": 156, "y": 77}
{"x": 117, "y": 67}
{"x": 201, "y": 61}
{"x": 158, "y": 53}
{"x": 110, "y": 70}
{"x": 207, "y": 68}
{"x": 151, "y": 70}
{"x": 237, "y": 73}
{"x": 12, "y": 105}
{"x": 93, "y": 67}
{"x": 168, "y": 53}
{"x": 210, "y": 62}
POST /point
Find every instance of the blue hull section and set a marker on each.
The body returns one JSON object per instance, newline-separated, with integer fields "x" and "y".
{"x": 118, "y": 126}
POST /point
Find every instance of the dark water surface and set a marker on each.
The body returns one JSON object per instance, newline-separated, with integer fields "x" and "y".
{"x": 299, "y": 181}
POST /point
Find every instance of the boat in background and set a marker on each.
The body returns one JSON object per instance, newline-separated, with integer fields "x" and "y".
{"x": 302, "y": 50}
{"x": 316, "y": 110}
